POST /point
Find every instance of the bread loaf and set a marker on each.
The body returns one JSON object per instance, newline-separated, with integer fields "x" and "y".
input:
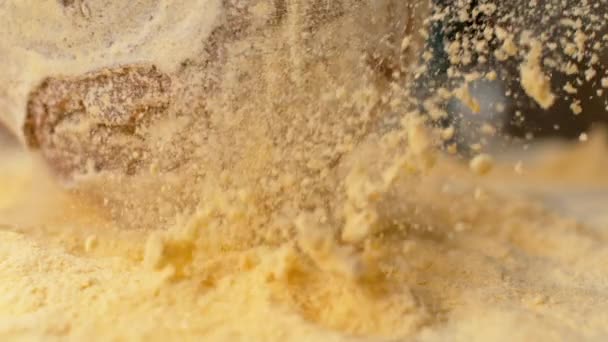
{"x": 87, "y": 103}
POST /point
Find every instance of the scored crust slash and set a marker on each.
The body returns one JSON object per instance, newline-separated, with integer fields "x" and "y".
{"x": 90, "y": 122}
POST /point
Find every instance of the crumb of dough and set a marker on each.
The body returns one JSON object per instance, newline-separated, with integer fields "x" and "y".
{"x": 462, "y": 93}
{"x": 536, "y": 84}
{"x": 90, "y": 243}
{"x": 481, "y": 164}
{"x": 590, "y": 74}
{"x": 576, "y": 107}
{"x": 448, "y": 133}
{"x": 570, "y": 68}
{"x": 570, "y": 89}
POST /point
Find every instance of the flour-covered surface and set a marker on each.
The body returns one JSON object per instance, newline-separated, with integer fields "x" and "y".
{"x": 498, "y": 267}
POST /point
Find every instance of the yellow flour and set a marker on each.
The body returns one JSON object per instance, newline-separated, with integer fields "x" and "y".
{"x": 494, "y": 266}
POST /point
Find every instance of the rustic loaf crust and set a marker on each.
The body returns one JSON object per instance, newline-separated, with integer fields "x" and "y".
{"x": 77, "y": 122}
